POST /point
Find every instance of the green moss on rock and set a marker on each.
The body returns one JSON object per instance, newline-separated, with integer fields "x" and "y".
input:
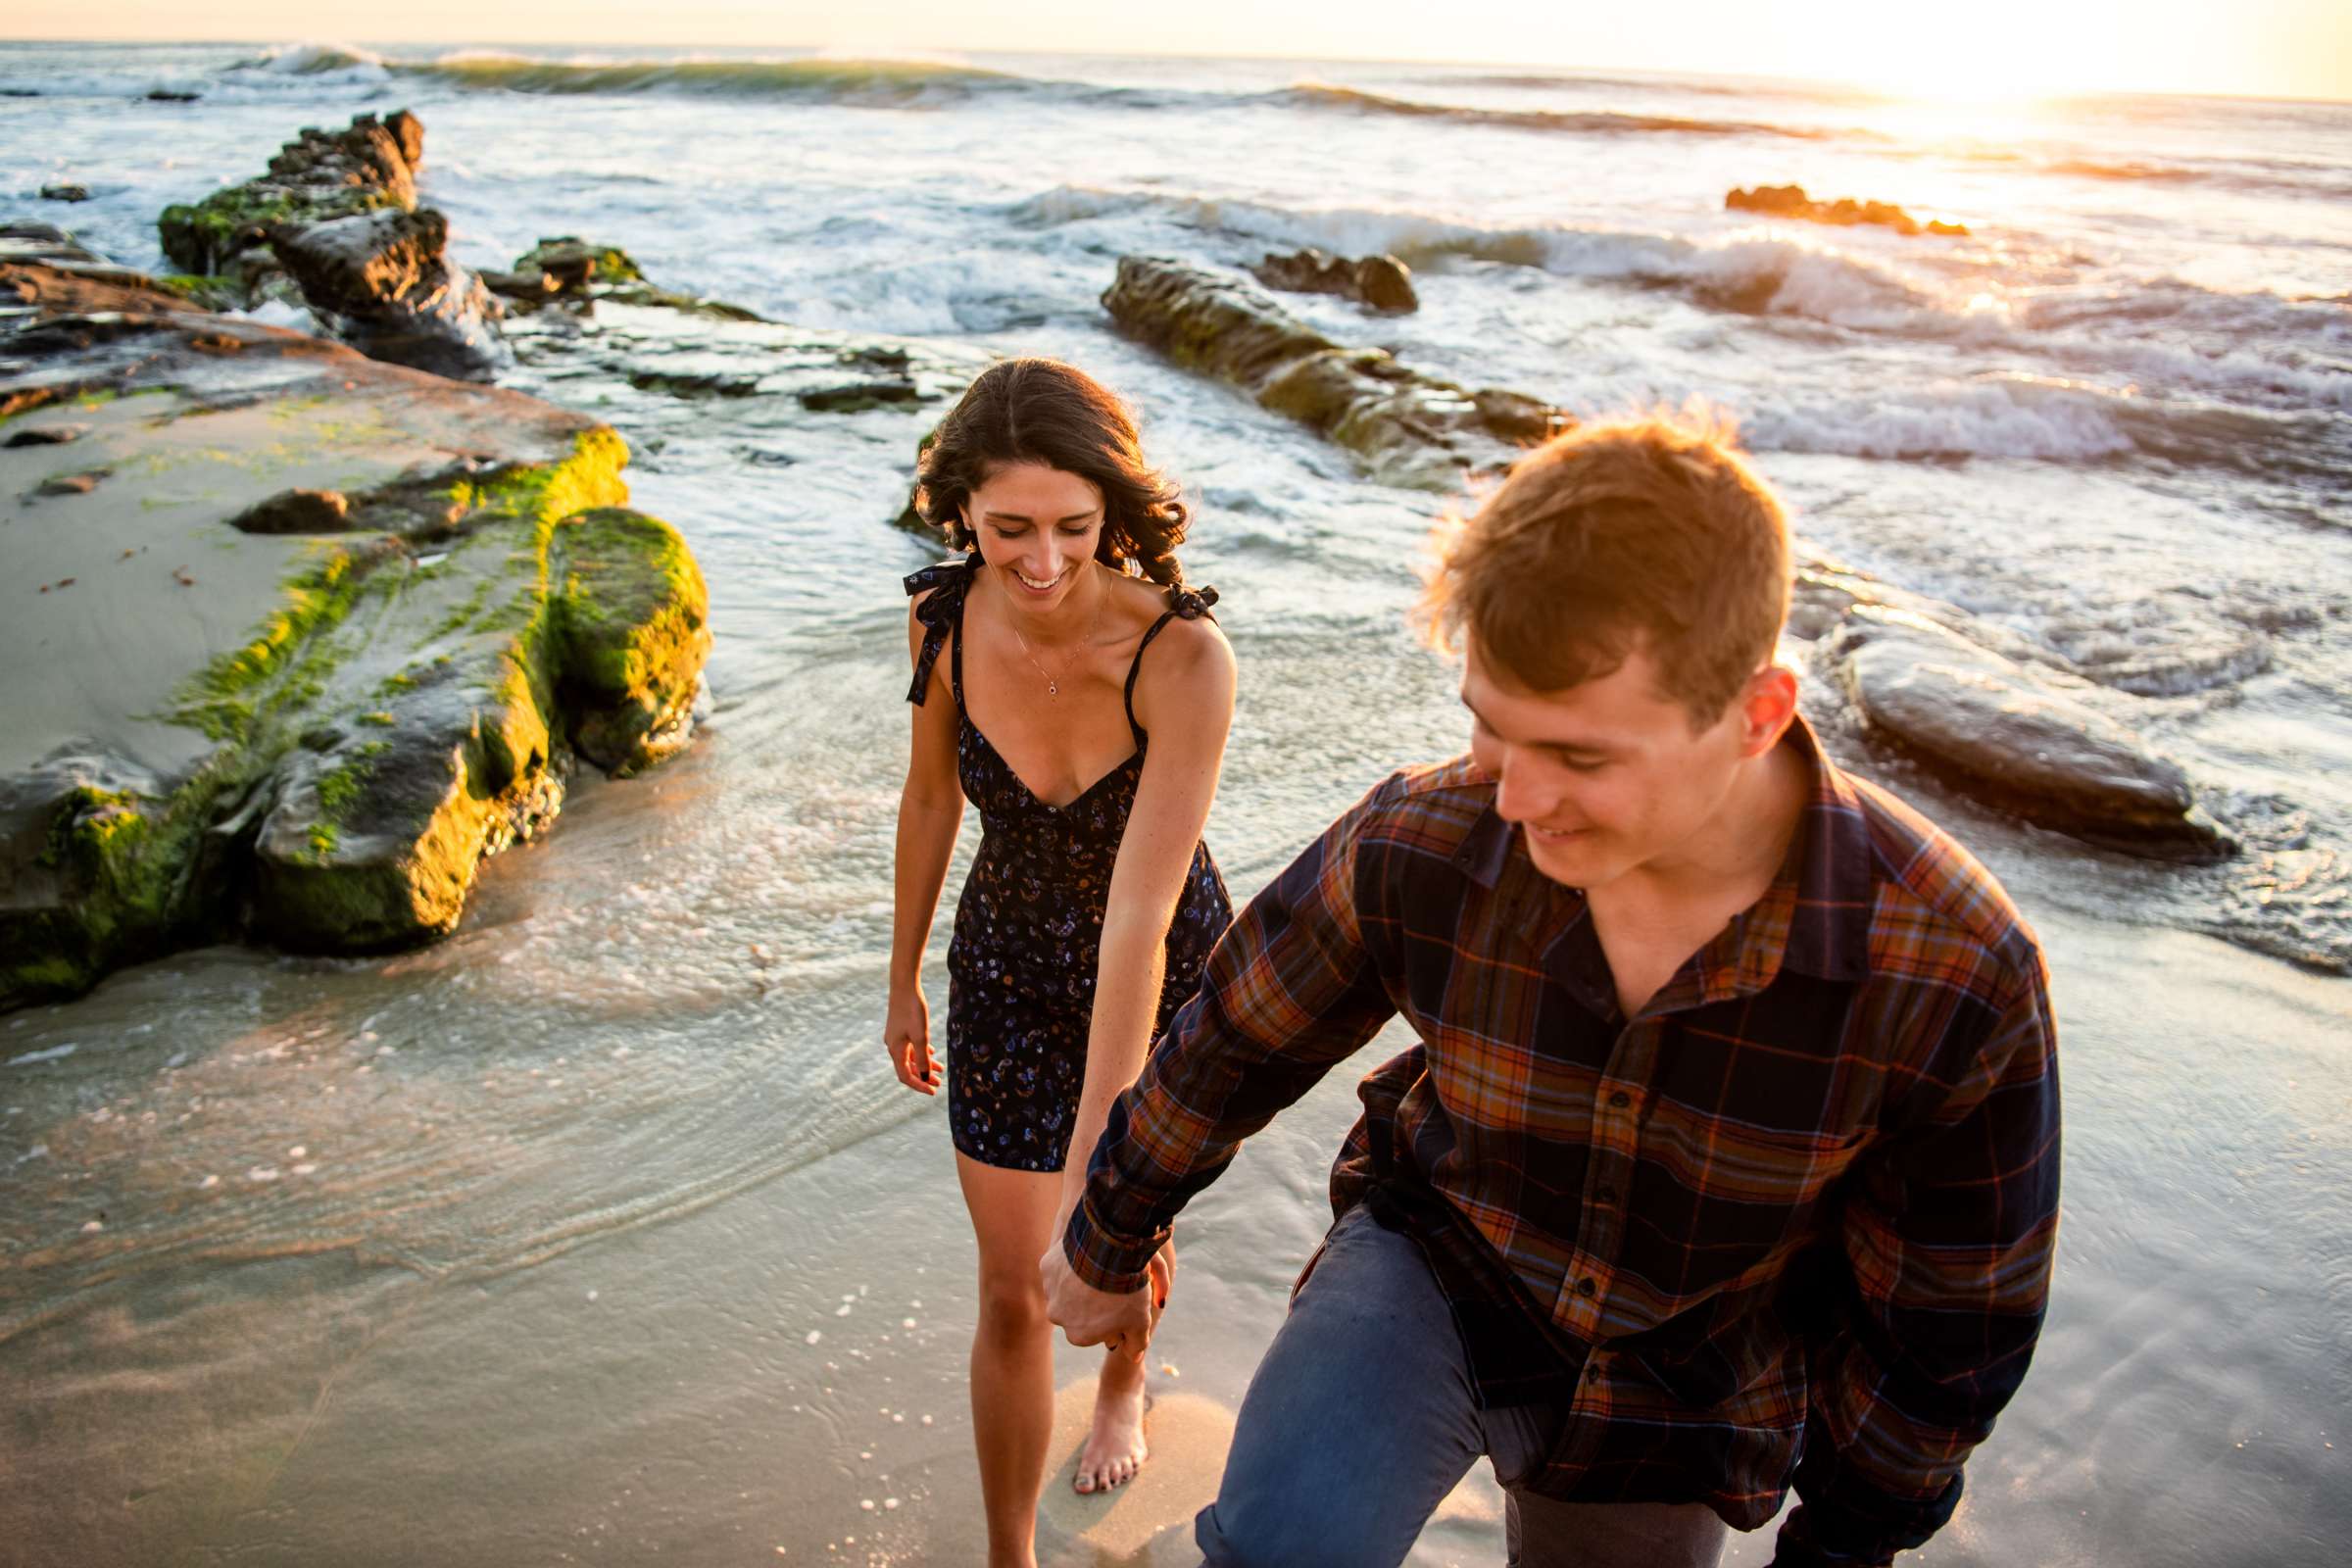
{"x": 126, "y": 886}
{"x": 633, "y": 615}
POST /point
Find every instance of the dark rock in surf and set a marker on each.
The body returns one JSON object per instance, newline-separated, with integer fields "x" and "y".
{"x": 381, "y": 282}
{"x": 2012, "y": 736}
{"x": 334, "y": 226}
{"x": 67, "y": 192}
{"x": 1410, "y": 428}
{"x": 1377, "y": 283}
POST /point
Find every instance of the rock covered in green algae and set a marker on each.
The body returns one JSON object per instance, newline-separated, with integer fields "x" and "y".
{"x": 1411, "y": 428}
{"x": 316, "y": 177}
{"x": 633, "y": 620}
{"x": 335, "y": 226}
{"x": 320, "y": 733}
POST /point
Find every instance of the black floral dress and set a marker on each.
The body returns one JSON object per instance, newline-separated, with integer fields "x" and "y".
{"x": 1029, "y": 925}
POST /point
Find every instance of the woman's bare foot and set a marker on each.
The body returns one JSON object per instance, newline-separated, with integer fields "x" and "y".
{"x": 1114, "y": 1447}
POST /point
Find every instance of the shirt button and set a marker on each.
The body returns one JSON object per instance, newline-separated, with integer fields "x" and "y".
{"x": 1605, "y": 1192}
{"x": 1621, "y": 1100}
{"x": 1586, "y": 1286}
{"x": 1592, "y": 1374}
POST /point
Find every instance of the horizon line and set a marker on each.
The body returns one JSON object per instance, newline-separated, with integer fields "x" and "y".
{"x": 1852, "y": 84}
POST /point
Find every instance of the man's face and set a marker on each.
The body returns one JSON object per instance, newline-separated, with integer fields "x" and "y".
{"x": 1609, "y": 776}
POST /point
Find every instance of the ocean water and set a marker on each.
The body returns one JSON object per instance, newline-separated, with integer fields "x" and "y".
{"x": 2115, "y": 418}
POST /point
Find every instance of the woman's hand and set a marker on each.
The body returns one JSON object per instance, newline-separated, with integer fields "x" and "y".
{"x": 907, "y": 1036}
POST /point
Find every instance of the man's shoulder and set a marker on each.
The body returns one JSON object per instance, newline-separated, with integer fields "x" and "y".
{"x": 1429, "y": 807}
{"x": 1938, "y": 913}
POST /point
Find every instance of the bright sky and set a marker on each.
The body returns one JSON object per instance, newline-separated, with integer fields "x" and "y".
{"x": 1990, "y": 48}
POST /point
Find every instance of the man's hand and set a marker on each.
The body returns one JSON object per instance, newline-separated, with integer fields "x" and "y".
{"x": 1088, "y": 1317}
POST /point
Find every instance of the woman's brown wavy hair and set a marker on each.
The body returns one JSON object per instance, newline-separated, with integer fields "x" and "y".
{"x": 1043, "y": 411}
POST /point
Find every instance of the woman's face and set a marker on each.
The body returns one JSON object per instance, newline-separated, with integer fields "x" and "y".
{"x": 1037, "y": 529}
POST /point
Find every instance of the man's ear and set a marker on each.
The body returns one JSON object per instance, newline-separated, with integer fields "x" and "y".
{"x": 1767, "y": 708}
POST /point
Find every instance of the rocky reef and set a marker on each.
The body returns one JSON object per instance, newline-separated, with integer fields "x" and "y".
{"x": 1410, "y": 428}
{"x": 1790, "y": 201}
{"x": 295, "y": 638}
{"x": 1376, "y": 282}
{"x": 334, "y": 225}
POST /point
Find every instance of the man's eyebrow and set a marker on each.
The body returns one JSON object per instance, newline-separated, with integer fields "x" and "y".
{"x": 1577, "y": 748}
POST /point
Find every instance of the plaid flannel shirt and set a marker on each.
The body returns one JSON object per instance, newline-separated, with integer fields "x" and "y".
{"x": 1792, "y": 1223}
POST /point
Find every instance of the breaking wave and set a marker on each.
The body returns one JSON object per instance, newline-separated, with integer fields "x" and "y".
{"x": 1325, "y": 95}
{"x": 822, "y": 78}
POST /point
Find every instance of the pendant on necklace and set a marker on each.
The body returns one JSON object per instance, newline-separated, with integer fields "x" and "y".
{"x": 1052, "y": 688}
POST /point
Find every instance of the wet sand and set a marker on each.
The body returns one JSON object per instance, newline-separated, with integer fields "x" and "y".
{"x": 779, "y": 1375}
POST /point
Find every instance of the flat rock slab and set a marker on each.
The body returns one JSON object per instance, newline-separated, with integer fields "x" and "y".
{"x": 691, "y": 353}
{"x": 2010, "y": 736}
{"x": 315, "y": 723}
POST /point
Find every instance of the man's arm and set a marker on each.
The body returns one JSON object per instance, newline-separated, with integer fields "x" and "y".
{"x": 1948, "y": 1241}
{"x": 1288, "y": 993}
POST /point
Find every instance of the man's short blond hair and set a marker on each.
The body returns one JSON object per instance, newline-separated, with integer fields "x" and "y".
{"x": 1652, "y": 534}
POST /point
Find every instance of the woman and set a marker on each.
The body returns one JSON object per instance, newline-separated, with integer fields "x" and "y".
{"x": 1082, "y": 704}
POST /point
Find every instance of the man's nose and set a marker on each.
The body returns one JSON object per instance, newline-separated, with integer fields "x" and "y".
{"x": 1520, "y": 796}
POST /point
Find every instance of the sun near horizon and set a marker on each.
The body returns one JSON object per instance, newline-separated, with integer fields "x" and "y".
{"x": 1992, "y": 52}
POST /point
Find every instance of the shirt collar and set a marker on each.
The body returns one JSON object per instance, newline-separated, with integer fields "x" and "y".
{"x": 1815, "y": 917}
{"x": 1832, "y": 870}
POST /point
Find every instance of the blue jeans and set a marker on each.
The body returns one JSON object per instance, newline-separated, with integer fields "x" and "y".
{"x": 1361, "y": 1419}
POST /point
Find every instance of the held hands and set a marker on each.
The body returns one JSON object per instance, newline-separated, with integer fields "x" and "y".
{"x": 1121, "y": 1321}
{"x": 907, "y": 1036}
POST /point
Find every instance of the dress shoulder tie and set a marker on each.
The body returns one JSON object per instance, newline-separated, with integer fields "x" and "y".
{"x": 1184, "y": 604}
{"x": 940, "y": 614}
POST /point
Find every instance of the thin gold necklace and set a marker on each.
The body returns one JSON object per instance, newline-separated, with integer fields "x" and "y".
{"x": 1053, "y": 685}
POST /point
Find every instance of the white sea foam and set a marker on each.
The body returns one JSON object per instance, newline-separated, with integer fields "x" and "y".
{"x": 2162, "y": 334}
{"x": 1997, "y": 420}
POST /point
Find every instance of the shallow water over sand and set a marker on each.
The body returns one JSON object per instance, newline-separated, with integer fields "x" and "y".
{"x": 509, "y": 1250}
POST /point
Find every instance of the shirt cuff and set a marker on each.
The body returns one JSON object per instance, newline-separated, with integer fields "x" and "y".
{"x": 1107, "y": 1262}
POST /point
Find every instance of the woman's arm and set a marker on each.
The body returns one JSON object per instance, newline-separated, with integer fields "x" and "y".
{"x": 930, "y": 810}
{"x": 1185, "y": 703}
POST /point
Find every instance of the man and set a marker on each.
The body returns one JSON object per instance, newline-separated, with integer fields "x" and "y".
{"x": 1728, "y": 1154}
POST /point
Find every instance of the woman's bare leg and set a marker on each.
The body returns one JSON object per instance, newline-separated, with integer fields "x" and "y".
{"x": 1114, "y": 1449}
{"x": 1012, "y": 1352}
